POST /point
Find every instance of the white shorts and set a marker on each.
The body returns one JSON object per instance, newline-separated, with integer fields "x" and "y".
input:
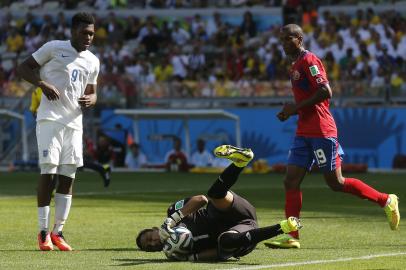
{"x": 59, "y": 144}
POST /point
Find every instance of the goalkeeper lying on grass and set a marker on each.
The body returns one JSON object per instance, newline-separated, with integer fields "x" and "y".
{"x": 227, "y": 227}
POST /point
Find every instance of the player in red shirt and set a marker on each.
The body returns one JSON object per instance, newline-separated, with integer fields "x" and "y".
{"x": 316, "y": 137}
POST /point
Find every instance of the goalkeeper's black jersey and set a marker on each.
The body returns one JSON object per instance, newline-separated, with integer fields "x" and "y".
{"x": 203, "y": 228}
{"x": 208, "y": 223}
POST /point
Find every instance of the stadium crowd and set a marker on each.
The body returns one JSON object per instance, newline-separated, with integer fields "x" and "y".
{"x": 206, "y": 56}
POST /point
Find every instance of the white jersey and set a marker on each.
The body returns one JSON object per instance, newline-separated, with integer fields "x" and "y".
{"x": 69, "y": 71}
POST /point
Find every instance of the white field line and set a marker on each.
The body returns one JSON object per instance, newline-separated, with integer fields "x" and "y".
{"x": 367, "y": 257}
{"x": 116, "y": 192}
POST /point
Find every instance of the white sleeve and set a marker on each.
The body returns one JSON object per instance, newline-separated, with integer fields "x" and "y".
{"x": 44, "y": 54}
{"x": 94, "y": 74}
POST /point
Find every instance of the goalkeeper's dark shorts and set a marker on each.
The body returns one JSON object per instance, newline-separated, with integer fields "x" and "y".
{"x": 241, "y": 217}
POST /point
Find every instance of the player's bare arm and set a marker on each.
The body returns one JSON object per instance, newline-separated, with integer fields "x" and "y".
{"x": 194, "y": 204}
{"x": 90, "y": 97}
{"x": 28, "y": 70}
{"x": 323, "y": 93}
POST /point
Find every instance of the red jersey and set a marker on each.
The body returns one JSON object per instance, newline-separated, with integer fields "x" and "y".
{"x": 307, "y": 74}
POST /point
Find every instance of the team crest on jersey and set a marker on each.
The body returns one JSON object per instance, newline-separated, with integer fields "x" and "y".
{"x": 179, "y": 205}
{"x": 45, "y": 153}
{"x": 295, "y": 75}
{"x": 314, "y": 70}
{"x": 319, "y": 80}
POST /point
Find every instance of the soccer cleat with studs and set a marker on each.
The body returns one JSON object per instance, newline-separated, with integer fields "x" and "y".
{"x": 283, "y": 241}
{"x": 59, "y": 241}
{"x": 239, "y": 156}
{"x": 44, "y": 241}
{"x": 291, "y": 224}
{"x": 392, "y": 212}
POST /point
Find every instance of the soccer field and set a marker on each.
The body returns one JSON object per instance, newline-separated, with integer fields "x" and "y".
{"x": 340, "y": 231}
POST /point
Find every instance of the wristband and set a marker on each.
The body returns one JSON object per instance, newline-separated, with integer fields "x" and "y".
{"x": 177, "y": 216}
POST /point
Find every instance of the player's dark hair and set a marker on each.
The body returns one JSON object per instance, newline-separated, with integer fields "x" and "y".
{"x": 138, "y": 239}
{"x": 82, "y": 17}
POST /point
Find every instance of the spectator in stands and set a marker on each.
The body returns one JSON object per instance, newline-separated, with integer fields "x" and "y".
{"x": 202, "y": 157}
{"x": 176, "y": 159}
{"x": 114, "y": 28}
{"x": 29, "y": 23}
{"x": 386, "y": 61}
{"x": 151, "y": 40}
{"x": 196, "y": 62}
{"x": 35, "y": 101}
{"x": 62, "y": 28}
{"x": 179, "y": 63}
{"x": 133, "y": 26}
{"x": 179, "y": 35}
{"x": 248, "y": 26}
{"x": 165, "y": 33}
{"x": 197, "y": 24}
{"x": 32, "y": 41}
{"x": 135, "y": 159}
{"x": 163, "y": 71}
{"x": 214, "y": 24}
{"x": 15, "y": 42}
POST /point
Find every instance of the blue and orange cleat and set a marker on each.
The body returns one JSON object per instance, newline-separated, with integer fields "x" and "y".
{"x": 59, "y": 241}
{"x": 44, "y": 241}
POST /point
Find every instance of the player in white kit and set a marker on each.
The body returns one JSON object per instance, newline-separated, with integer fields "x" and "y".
{"x": 68, "y": 78}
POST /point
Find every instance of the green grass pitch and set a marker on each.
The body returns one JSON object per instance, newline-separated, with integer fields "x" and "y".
{"x": 340, "y": 231}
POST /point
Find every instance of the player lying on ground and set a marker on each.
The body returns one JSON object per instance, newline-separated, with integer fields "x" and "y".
{"x": 227, "y": 227}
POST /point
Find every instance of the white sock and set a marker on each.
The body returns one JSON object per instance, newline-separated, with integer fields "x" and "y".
{"x": 43, "y": 218}
{"x": 62, "y": 207}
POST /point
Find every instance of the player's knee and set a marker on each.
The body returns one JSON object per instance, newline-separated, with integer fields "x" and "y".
{"x": 291, "y": 183}
{"x": 68, "y": 170}
{"x": 336, "y": 184}
{"x": 228, "y": 241}
{"x": 48, "y": 168}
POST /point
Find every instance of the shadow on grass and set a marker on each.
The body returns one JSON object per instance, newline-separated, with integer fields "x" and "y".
{"x": 111, "y": 249}
{"x": 135, "y": 261}
{"x": 130, "y": 262}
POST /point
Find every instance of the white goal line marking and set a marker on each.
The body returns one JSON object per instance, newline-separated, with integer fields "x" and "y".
{"x": 107, "y": 192}
{"x": 367, "y": 257}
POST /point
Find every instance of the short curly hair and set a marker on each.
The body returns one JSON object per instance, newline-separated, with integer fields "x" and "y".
{"x": 82, "y": 17}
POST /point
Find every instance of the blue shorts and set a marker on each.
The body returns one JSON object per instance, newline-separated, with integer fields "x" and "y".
{"x": 327, "y": 152}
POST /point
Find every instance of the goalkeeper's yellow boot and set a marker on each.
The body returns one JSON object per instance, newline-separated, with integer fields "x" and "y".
{"x": 392, "y": 212}
{"x": 239, "y": 156}
{"x": 283, "y": 241}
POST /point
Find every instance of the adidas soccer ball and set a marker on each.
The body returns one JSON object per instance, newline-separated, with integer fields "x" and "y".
{"x": 179, "y": 242}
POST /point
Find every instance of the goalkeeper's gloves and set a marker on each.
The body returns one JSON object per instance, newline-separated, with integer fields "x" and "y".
{"x": 166, "y": 228}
